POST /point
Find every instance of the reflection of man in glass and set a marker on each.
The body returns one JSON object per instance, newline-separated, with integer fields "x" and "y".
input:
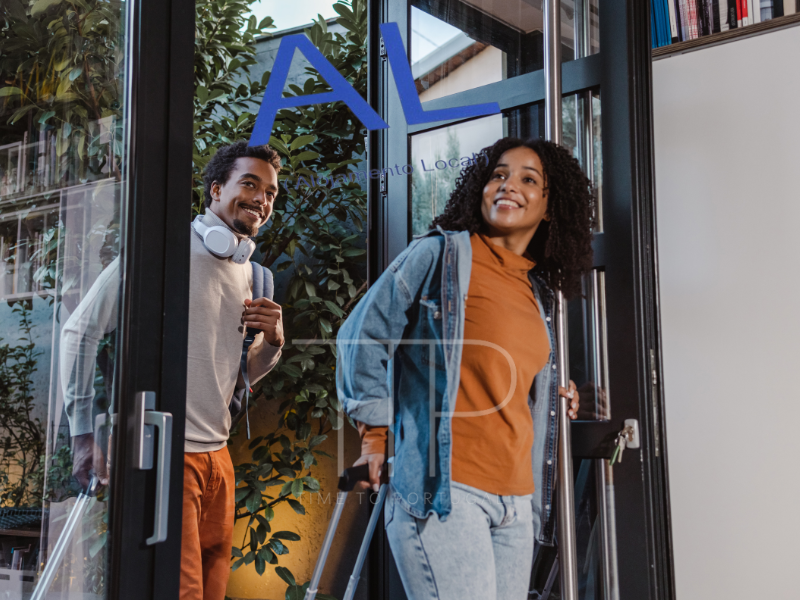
{"x": 241, "y": 183}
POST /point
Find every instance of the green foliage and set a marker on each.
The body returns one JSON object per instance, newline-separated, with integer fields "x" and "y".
{"x": 224, "y": 108}
{"x": 22, "y": 441}
{"x": 60, "y": 483}
{"x": 62, "y": 61}
{"x": 430, "y": 190}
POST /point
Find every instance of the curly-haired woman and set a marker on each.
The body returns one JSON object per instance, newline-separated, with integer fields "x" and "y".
{"x": 462, "y": 320}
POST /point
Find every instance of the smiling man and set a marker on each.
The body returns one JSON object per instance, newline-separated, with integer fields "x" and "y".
{"x": 241, "y": 184}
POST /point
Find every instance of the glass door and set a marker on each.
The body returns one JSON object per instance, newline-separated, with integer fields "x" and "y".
{"x": 86, "y": 502}
{"x": 469, "y": 51}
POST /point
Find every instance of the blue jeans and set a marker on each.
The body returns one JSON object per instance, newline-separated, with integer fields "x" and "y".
{"x": 484, "y": 551}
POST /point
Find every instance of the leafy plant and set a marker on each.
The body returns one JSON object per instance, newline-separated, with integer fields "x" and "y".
{"x": 62, "y": 61}
{"x": 432, "y": 189}
{"x": 224, "y": 107}
{"x": 22, "y": 441}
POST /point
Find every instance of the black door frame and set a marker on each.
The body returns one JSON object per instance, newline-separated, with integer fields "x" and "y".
{"x": 155, "y": 295}
{"x": 625, "y": 250}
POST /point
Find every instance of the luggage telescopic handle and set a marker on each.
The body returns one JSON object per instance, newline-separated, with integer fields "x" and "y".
{"x": 350, "y": 477}
{"x": 64, "y": 539}
{"x": 347, "y": 482}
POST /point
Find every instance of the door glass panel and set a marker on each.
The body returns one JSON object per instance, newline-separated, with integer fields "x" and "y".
{"x": 595, "y": 539}
{"x": 437, "y": 157}
{"x": 580, "y": 29}
{"x": 582, "y": 135}
{"x": 587, "y": 347}
{"x": 62, "y": 198}
{"x": 458, "y": 45}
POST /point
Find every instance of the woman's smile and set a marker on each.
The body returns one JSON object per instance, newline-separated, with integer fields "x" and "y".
{"x": 506, "y": 203}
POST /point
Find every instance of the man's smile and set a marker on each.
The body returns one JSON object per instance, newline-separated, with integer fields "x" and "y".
{"x": 256, "y": 213}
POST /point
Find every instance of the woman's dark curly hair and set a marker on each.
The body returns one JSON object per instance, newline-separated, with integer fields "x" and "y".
{"x": 562, "y": 246}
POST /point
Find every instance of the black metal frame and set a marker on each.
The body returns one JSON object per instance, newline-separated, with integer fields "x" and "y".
{"x": 625, "y": 251}
{"x": 153, "y": 313}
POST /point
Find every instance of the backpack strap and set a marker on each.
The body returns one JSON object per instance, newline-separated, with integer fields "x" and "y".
{"x": 263, "y": 287}
{"x": 263, "y": 284}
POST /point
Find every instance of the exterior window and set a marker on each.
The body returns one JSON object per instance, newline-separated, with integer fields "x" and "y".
{"x": 461, "y": 45}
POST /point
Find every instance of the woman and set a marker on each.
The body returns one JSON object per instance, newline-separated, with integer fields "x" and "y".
{"x": 465, "y": 314}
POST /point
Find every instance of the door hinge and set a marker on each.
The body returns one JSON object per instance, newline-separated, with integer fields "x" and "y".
{"x": 383, "y": 183}
{"x": 653, "y": 372}
{"x": 382, "y": 48}
{"x": 654, "y": 396}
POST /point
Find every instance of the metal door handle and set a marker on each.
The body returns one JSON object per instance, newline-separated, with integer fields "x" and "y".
{"x": 145, "y": 419}
{"x": 162, "y": 421}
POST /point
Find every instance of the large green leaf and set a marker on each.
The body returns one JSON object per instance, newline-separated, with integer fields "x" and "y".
{"x": 295, "y": 592}
{"x": 253, "y": 502}
{"x": 302, "y": 140}
{"x": 42, "y": 5}
{"x": 286, "y": 575}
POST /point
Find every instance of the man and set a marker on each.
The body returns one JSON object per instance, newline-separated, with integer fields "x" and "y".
{"x": 241, "y": 184}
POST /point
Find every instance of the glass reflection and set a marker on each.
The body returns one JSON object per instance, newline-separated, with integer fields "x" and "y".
{"x": 437, "y": 157}
{"x": 587, "y": 347}
{"x": 458, "y": 45}
{"x": 61, "y": 197}
{"x": 595, "y": 539}
{"x": 582, "y": 135}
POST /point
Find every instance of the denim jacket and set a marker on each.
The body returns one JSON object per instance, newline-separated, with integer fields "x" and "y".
{"x": 410, "y": 324}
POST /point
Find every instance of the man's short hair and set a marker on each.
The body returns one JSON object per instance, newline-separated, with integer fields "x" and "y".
{"x": 220, "y": 166}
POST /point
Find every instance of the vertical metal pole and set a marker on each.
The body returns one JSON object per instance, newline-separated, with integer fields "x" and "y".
{"x": 606, "y": 511}
{"x": 567, "y": 556}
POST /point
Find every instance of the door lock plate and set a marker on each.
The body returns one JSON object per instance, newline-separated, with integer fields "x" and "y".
{"x": 633, "y": 437}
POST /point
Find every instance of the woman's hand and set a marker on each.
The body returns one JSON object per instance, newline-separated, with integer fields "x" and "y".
{"x": 574, "y": 398}
{"x": 376, "y": 474}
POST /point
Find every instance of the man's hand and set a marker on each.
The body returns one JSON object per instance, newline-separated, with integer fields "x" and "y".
{"x": 376, "y": 474}
{"x": 87, "y": 456}
{"x": 266, "y": 315}
{"x": 573, "y": 396}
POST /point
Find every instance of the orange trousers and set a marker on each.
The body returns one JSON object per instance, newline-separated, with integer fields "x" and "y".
{"x": 208, "y": 511}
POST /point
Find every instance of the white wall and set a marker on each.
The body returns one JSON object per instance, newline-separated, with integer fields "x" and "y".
{"x": 727, "y": 137}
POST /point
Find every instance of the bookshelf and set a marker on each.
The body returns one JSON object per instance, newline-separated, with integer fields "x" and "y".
{"x": 712, "y": 39}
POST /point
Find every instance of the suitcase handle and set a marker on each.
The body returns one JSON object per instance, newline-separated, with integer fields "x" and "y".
{"x": 350, "y": 477}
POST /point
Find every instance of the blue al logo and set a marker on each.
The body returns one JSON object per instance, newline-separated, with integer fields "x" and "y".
{"x": 342, "y": 91}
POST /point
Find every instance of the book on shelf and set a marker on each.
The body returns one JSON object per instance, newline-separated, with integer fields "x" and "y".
{"x": 688, "y": 16}
{"x": 660, "y": 23}
{"x": 673, "y": 21}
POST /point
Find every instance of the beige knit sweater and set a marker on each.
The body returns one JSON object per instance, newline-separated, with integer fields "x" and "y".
{"x": 218, "y": 288}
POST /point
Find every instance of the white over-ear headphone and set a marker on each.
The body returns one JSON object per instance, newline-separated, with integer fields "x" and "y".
{"x": 221, "y": 241}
